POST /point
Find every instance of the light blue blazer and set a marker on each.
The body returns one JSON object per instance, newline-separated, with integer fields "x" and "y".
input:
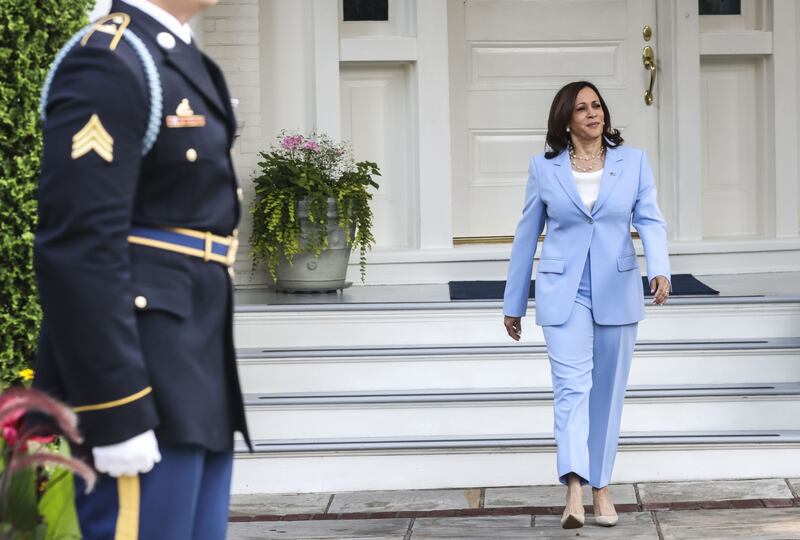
{"x": 627, "y": 195}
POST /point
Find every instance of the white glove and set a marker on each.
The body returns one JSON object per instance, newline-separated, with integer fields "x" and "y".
{"x": 128, "y": 458}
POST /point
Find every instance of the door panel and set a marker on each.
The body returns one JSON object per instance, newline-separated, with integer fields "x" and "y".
{"x": 375, "y": 118}
{"x": 508, "y": 58}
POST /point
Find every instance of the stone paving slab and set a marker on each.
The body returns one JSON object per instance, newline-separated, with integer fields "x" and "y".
{"x": 288, "y": 503}
{"x": 469, "y": 528}
{"x": 661, "y": 492}
{"x": 551, "y": 495}
{"x": 367, "y": 529}
{"x": 631, "y": 526}
{"x": 795, "y": 482}
{"x": 398, "y": 501}
{"x": 752, "y": 524}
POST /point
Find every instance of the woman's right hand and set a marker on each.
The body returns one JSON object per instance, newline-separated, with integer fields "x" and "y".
{"x": 513, "y": 326}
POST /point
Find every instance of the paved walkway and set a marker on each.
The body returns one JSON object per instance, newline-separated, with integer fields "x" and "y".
{"x": 767, "y": 509}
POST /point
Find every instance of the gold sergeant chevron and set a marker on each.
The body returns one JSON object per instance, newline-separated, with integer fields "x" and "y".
{"x": 93, "y": 136}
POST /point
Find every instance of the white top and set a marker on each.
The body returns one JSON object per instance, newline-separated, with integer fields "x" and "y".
{"x": 182, "y": 30}
{"x": 588, "y": 184}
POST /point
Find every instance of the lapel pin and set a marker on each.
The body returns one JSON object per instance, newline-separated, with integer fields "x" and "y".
{"x": 166, "y": 40}
{"x": 184, "y": 117}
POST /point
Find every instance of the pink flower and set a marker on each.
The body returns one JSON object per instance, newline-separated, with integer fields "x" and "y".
{"x": 12, "y": 425}
{"x": 16, "y": 402}
{"x": 290, "y": 142}
{"x": 311, "y": 145}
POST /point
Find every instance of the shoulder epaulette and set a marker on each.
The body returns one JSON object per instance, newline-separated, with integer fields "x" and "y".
{"x": 116, "y": 24}
{"x": 113, "y": 23}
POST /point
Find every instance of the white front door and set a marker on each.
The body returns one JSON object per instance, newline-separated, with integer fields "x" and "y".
{"x": 507, "y": 60}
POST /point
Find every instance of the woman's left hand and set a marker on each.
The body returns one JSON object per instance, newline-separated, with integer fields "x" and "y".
{"x": 659, "y": 285}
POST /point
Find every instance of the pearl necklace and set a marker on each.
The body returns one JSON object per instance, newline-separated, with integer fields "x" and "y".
{"x": 574, "y": 157}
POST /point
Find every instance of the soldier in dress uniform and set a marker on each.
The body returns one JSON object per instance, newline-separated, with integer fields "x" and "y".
{"x": 138, "y": 205}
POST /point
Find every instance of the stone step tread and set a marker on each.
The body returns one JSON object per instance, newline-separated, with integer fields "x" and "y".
{"x": 533, "y": 442}
{"x": 311, "y": 303}
{"x": 513, "y": 394}
{"x": 510, "y": 348}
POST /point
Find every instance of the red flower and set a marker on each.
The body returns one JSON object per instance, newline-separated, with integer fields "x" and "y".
{"x": 17, "y": 433}
{"x": 13, "y": 425}
{"x": 17, "y": 402}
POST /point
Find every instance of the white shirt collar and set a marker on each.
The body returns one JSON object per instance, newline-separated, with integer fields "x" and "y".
{"x": 182, "y": 30}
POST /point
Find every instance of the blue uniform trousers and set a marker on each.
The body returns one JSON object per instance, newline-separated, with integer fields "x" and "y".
{"x": 185, "y": 496}
{"x": 590, "y": 365}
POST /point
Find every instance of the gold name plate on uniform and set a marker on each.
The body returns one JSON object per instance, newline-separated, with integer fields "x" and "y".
{"x": 184, "y": 117}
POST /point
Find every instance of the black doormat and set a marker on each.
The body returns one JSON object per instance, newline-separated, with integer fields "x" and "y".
{"x": 682, "y": 285}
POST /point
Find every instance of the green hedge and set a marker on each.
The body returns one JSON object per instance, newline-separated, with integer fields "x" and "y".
{"x": 31, "y": 33}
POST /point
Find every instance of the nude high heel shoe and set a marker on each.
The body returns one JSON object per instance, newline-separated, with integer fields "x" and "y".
{"x": 604, "y": 521}
{"x": 571, "y": 520}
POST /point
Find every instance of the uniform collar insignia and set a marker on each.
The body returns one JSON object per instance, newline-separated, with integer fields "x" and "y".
{"x": 166, "y": 40}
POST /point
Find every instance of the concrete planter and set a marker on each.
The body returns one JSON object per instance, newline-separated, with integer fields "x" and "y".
{"x": 309, "y": 273}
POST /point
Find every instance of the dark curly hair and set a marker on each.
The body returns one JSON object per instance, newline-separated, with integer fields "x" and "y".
{"x": 558, "y": 138}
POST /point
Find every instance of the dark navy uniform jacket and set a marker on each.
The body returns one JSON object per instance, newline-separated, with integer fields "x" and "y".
{"x": 125, "y": 364}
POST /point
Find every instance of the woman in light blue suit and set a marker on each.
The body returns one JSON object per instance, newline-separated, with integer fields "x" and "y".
{"x": 588, "y": 189}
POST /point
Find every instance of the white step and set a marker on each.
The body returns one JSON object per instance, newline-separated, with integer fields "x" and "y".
{"x": 291, "y": 466}
{"x": 480, "y": 323}
{"x": 350, "y": 402}
{"x": 491, "y": 413}
{"x": 359, "y": 369}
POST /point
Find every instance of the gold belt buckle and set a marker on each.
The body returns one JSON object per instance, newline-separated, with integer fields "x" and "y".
{"x": 233, "y": 247}
{"x": 209, "y": 244}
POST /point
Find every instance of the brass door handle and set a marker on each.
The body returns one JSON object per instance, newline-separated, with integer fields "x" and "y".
{"x": 649, "y": 61}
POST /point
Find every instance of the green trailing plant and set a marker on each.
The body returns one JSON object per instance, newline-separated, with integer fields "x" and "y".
{"x": 31, "y": 33}
{"x": 309, "y": 170}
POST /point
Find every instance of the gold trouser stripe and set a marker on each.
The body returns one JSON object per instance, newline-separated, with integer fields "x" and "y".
{"x": 177, "y": 249}
{"x": 128, "y": 516}
{"x": 116, "y": 403}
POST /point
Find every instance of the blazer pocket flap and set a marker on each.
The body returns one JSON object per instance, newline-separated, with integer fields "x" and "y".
{"x": 551, "y": 266}
{"x": 627, "y": 262}
{"x": 162, "y": 289}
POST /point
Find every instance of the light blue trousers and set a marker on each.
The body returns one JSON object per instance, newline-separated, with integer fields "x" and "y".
{"x": 589, "y": 365}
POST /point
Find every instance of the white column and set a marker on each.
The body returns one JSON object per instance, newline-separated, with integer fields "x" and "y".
{"x": 328, "y": 116}
{"x": 785, "y": 92}
{"x": 679, "y": 69}
{"x": 433, "y": 120}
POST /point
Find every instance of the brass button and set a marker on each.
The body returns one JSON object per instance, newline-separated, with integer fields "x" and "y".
{"x": 240, "y": 194}
{"x": 140, "y": 302}
{"x": 191, "y": 154}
